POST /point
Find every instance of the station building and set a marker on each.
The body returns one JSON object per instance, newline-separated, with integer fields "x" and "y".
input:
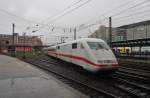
{"x": 103, "y": 33}
{"x": 140, "y": 30}
{"x": 7, "y": 40}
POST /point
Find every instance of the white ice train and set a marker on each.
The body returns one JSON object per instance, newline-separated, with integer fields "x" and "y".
{"x": 90, "y": 53}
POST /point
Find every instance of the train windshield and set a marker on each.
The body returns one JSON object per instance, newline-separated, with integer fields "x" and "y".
{"x": 98, "y": 45}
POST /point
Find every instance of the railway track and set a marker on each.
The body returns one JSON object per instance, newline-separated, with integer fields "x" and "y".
{"x": 100, "y": 92}
{"x": 133, "y": 75}
{"x": 135, "y": 65}
{"x": 114, "y": 87}
{"x": 139, "y": 72}
{"x": 137, "y": 89}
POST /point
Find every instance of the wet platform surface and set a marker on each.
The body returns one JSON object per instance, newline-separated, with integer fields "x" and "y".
{"x": 21, "y": 80}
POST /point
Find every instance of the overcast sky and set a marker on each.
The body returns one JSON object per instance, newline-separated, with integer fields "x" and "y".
{"x": 28, "y": 13}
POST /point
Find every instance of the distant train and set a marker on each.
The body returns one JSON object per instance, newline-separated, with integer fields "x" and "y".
{"x": 92, "y": 54}
{"x": 127, "y": 51}
{"x": 122, "y": 50}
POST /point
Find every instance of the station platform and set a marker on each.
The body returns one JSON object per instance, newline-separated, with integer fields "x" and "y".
{"x": 22, "y": 80}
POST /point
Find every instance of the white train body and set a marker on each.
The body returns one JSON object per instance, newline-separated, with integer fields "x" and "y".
{"x": 90, "y": 53}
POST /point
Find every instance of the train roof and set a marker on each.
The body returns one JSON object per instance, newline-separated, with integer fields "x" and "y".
{"x": 81, "y": 40}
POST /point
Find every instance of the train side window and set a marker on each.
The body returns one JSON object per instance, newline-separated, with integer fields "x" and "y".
{"x": 74, "y": 45}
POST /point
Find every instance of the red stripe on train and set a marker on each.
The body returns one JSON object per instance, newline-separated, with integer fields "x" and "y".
{"x": 81, "y": 59}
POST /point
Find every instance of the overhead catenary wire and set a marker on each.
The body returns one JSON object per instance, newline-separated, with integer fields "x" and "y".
{"x": 141, "y": 12}
{"x": 137, "y": 17}
{"x": 69, "y": 28}
{"x": 33, "y": 22}
{"x": 119, "y": 7}
{"x": 122, "y": 11}
{"x": 68, "y": 12}
{"x": 63, "y": 10}
{"x": 138, "y": 4}
{"x": 119, "y": 13}
{"x": 90, "y": 25}
{"x": 19, "y": 17}
{"x": 114, "y": 9}
{"x": 60, "y": 12}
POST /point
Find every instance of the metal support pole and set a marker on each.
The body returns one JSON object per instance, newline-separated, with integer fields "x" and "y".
{"x": 146, "y": 31}
{"x": 110, "y": 32}
{"x": 75, "y": 35}
{"x": 133, "y": 34}
{"x": 13, "y": 40}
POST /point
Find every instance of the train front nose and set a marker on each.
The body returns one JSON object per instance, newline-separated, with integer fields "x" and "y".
{"x": 103, "y": 54}
{"x": 105, "y": 57}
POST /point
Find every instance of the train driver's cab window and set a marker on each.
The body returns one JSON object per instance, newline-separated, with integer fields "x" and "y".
{"x": 74, "y": 46}
{"x": 98, "y": 45}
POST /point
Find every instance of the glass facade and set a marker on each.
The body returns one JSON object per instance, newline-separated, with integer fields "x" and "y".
{"x": 148, "y": 31}
{"x": 138, "y": 32}
{"x": 130, "y": 34}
